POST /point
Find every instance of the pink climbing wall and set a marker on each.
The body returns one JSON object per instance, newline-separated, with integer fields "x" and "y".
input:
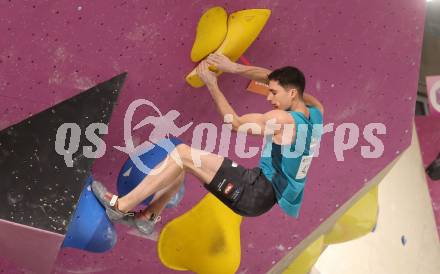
{"x": 31, "y": 241}
{"x": 428, "y": 130}
{"x": 361, "y": 58}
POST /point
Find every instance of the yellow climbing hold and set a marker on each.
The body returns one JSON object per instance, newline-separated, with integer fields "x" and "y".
{"x": 243, "y": 28}
{"x": 304, "y": 262}
{"x": 211, "y": 31}
{"x": 359, "y": 220}
{"x": 206, "y": 239}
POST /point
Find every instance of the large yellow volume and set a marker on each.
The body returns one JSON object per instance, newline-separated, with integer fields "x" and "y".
{"x": 305, "y": 261}
{"x": 359, "y": 220}
{"x": 211, "y": 31}
{"x": 205, "y": 240}
{"x": 243, "y": 28}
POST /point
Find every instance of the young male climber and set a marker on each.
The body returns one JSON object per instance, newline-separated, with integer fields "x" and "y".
{"x": 280, "y": 176}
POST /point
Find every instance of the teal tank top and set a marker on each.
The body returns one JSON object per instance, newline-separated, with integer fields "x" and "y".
{"x": 286, "y": 166}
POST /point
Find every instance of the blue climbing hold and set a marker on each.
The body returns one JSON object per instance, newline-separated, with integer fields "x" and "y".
{"x": 89, "y": 228}
{"x": 130, "y": 175}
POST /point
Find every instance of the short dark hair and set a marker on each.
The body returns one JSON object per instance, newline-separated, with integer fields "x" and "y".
{"x": 288, "y": 77}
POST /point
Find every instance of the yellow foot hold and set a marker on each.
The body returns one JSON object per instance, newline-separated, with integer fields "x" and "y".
{"x": 359, "y": 220}
{"x": 304, "y": 262}
{"x": 206, "y": 239}
{"x": 211, "y": 32}
{"x": 243, "y": 28}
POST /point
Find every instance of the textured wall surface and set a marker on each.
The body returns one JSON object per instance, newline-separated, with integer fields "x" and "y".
{"x": 27, "y": 247}
{"x": 39, "y": 188}
{"x": 361, "y": 58}
{"x": 428, "y": 130}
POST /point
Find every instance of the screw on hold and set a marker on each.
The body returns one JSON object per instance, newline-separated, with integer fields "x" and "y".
{"x": 403, "y": 240}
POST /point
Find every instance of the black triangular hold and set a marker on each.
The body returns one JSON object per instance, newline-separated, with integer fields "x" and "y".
{"x": 37, "y": 188}
{"x": 433, "y": 170}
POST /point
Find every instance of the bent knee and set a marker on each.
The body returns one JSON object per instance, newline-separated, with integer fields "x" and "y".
{"x": 183, "y": 150}
{"x": 182, "y": 153}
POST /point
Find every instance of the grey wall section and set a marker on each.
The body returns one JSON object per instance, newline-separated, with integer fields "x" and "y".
{"x": 37, "y": 187}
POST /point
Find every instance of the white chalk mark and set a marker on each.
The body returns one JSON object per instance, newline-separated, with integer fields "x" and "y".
{"x": 153, "y": 237}
{"x": 127, "y": 173}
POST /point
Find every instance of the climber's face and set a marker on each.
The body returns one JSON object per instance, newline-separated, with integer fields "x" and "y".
{"x": 280, "y": 97}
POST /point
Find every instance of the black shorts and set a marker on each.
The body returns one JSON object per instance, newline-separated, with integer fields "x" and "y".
{"x": 246, "y": 191}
